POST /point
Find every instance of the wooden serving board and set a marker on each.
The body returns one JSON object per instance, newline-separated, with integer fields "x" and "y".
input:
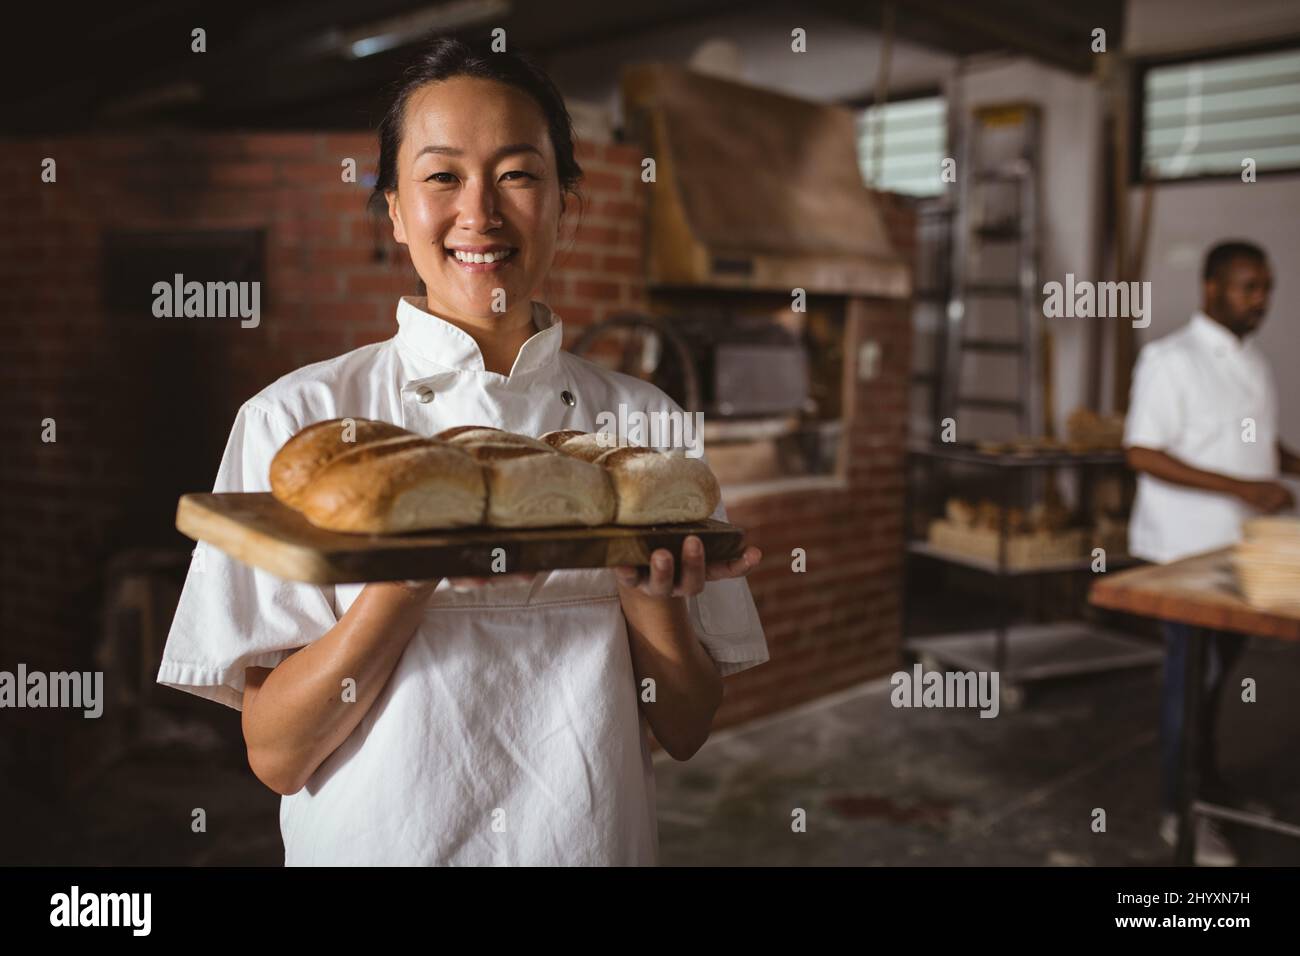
{"x": 258, "y": 530}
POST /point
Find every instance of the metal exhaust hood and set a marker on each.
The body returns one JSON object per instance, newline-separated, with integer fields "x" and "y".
{"x": 755, "y": 190}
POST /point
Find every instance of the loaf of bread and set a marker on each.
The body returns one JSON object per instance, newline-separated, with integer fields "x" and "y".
{"x": 389, "y": 480}
{"x": 538, "y": 487}
{"x": 585, "y": 445}
{"x": 557, "y": 438}
{"x": 655, "y": 487}
{"x": 307, "y": 452}
{"x": 466, "y": 435}
{"x": 397, "y": 485}
{"x": 960, "y": 512}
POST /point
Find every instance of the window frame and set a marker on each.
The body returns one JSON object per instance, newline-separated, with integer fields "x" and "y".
{"x": 1137, "y": 113}
{"x": 860, "y": 104}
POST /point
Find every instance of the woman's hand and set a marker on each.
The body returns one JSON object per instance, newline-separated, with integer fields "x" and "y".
{"x": 665, "y": 648}
{"x": 398, "y": 593}
{"x": 695, "y": 572}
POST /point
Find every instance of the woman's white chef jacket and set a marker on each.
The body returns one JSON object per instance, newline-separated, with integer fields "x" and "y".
{"x": 509, "y": 731}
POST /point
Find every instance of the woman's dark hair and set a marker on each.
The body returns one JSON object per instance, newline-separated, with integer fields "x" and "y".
{"x": 447, "y": 57}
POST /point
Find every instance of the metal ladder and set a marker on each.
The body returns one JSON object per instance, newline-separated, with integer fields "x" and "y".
{"x": 978, "y": 178}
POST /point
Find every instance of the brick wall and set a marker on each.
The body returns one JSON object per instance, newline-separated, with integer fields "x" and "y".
{"x": 838, "y": 622}
{"x": 115, "y": 385}
{"x": 142, "y": 407}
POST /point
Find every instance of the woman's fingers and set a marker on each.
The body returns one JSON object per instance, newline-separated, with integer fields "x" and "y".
{"x": 696, "y": 570}
{"x": 661, "y": 574}
{"x": 692, "y": 581}
{"x": 627, "y": 575}
{"x": 736, "y": 567}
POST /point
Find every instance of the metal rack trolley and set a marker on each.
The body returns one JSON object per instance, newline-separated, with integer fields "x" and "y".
{"x": 1042, "y": 651}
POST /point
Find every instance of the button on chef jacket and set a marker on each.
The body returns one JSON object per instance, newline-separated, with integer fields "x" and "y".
{"x": 509, "y": 731}
{"x": 1192, "y": 393}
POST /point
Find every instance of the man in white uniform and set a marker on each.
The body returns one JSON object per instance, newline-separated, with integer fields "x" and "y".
{"x": 1202, "y": 433}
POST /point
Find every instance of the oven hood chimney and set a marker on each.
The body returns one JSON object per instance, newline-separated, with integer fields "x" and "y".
{"x": 755, "y": 190}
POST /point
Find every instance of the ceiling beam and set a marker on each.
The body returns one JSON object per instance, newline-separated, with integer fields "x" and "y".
{"x": 963, "y": 28}
{"x": 1011, "y": 29}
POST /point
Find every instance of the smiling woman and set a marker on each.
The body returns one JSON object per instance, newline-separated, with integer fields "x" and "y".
{"x": 477, "y": 169}
{"x": 466, "y": 721}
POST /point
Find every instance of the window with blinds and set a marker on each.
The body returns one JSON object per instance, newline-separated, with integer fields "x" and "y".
{"x": 1203, "y": 118}
{"x": 912, "y": 137}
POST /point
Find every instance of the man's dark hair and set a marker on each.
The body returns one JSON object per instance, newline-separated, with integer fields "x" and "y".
{"x": 1220, "y": 257}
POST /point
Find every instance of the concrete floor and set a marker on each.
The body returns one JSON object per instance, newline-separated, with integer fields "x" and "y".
{"x": 887, "y": 786}
{"x": 880, "y": 786}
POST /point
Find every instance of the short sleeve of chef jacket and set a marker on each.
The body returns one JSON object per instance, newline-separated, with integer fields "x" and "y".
{"x": 724, "y": 614}
{"x": 726, "y": 621}
{"x": 230, "y": 615}
{"x": 1155, "y": 411}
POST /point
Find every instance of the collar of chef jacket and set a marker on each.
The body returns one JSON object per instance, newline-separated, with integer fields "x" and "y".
{"x": 1216, "y": 336}
{"x": 1238, "y": 359}
{"x": 444, "y": 368}
{"x": 440, "y": 343}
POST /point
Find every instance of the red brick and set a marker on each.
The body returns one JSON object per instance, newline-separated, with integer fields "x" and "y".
{"x": 574, "y": 261}
{"x": 622, "y": 265}
{"x": 292, "y": 145}
{"x": 377, "y": 283}
{"x": 598, "y": 238}
{"x": 349, "y": 200}
{"x": 576, "y": 315}
{"x": 629, "y": 154}
{"x": 242, "y": 174}
{"x": 357, "y": 145}
{"x": 330, "y": 257}
{"x": 592, "y": 289}
{"x": 617, "y": 209}
{"x": 610, "y": 184}
{"x": 295, "y": 174}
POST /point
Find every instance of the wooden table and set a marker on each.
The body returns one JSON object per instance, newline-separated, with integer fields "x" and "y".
{"x": 1200, "y": 591}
